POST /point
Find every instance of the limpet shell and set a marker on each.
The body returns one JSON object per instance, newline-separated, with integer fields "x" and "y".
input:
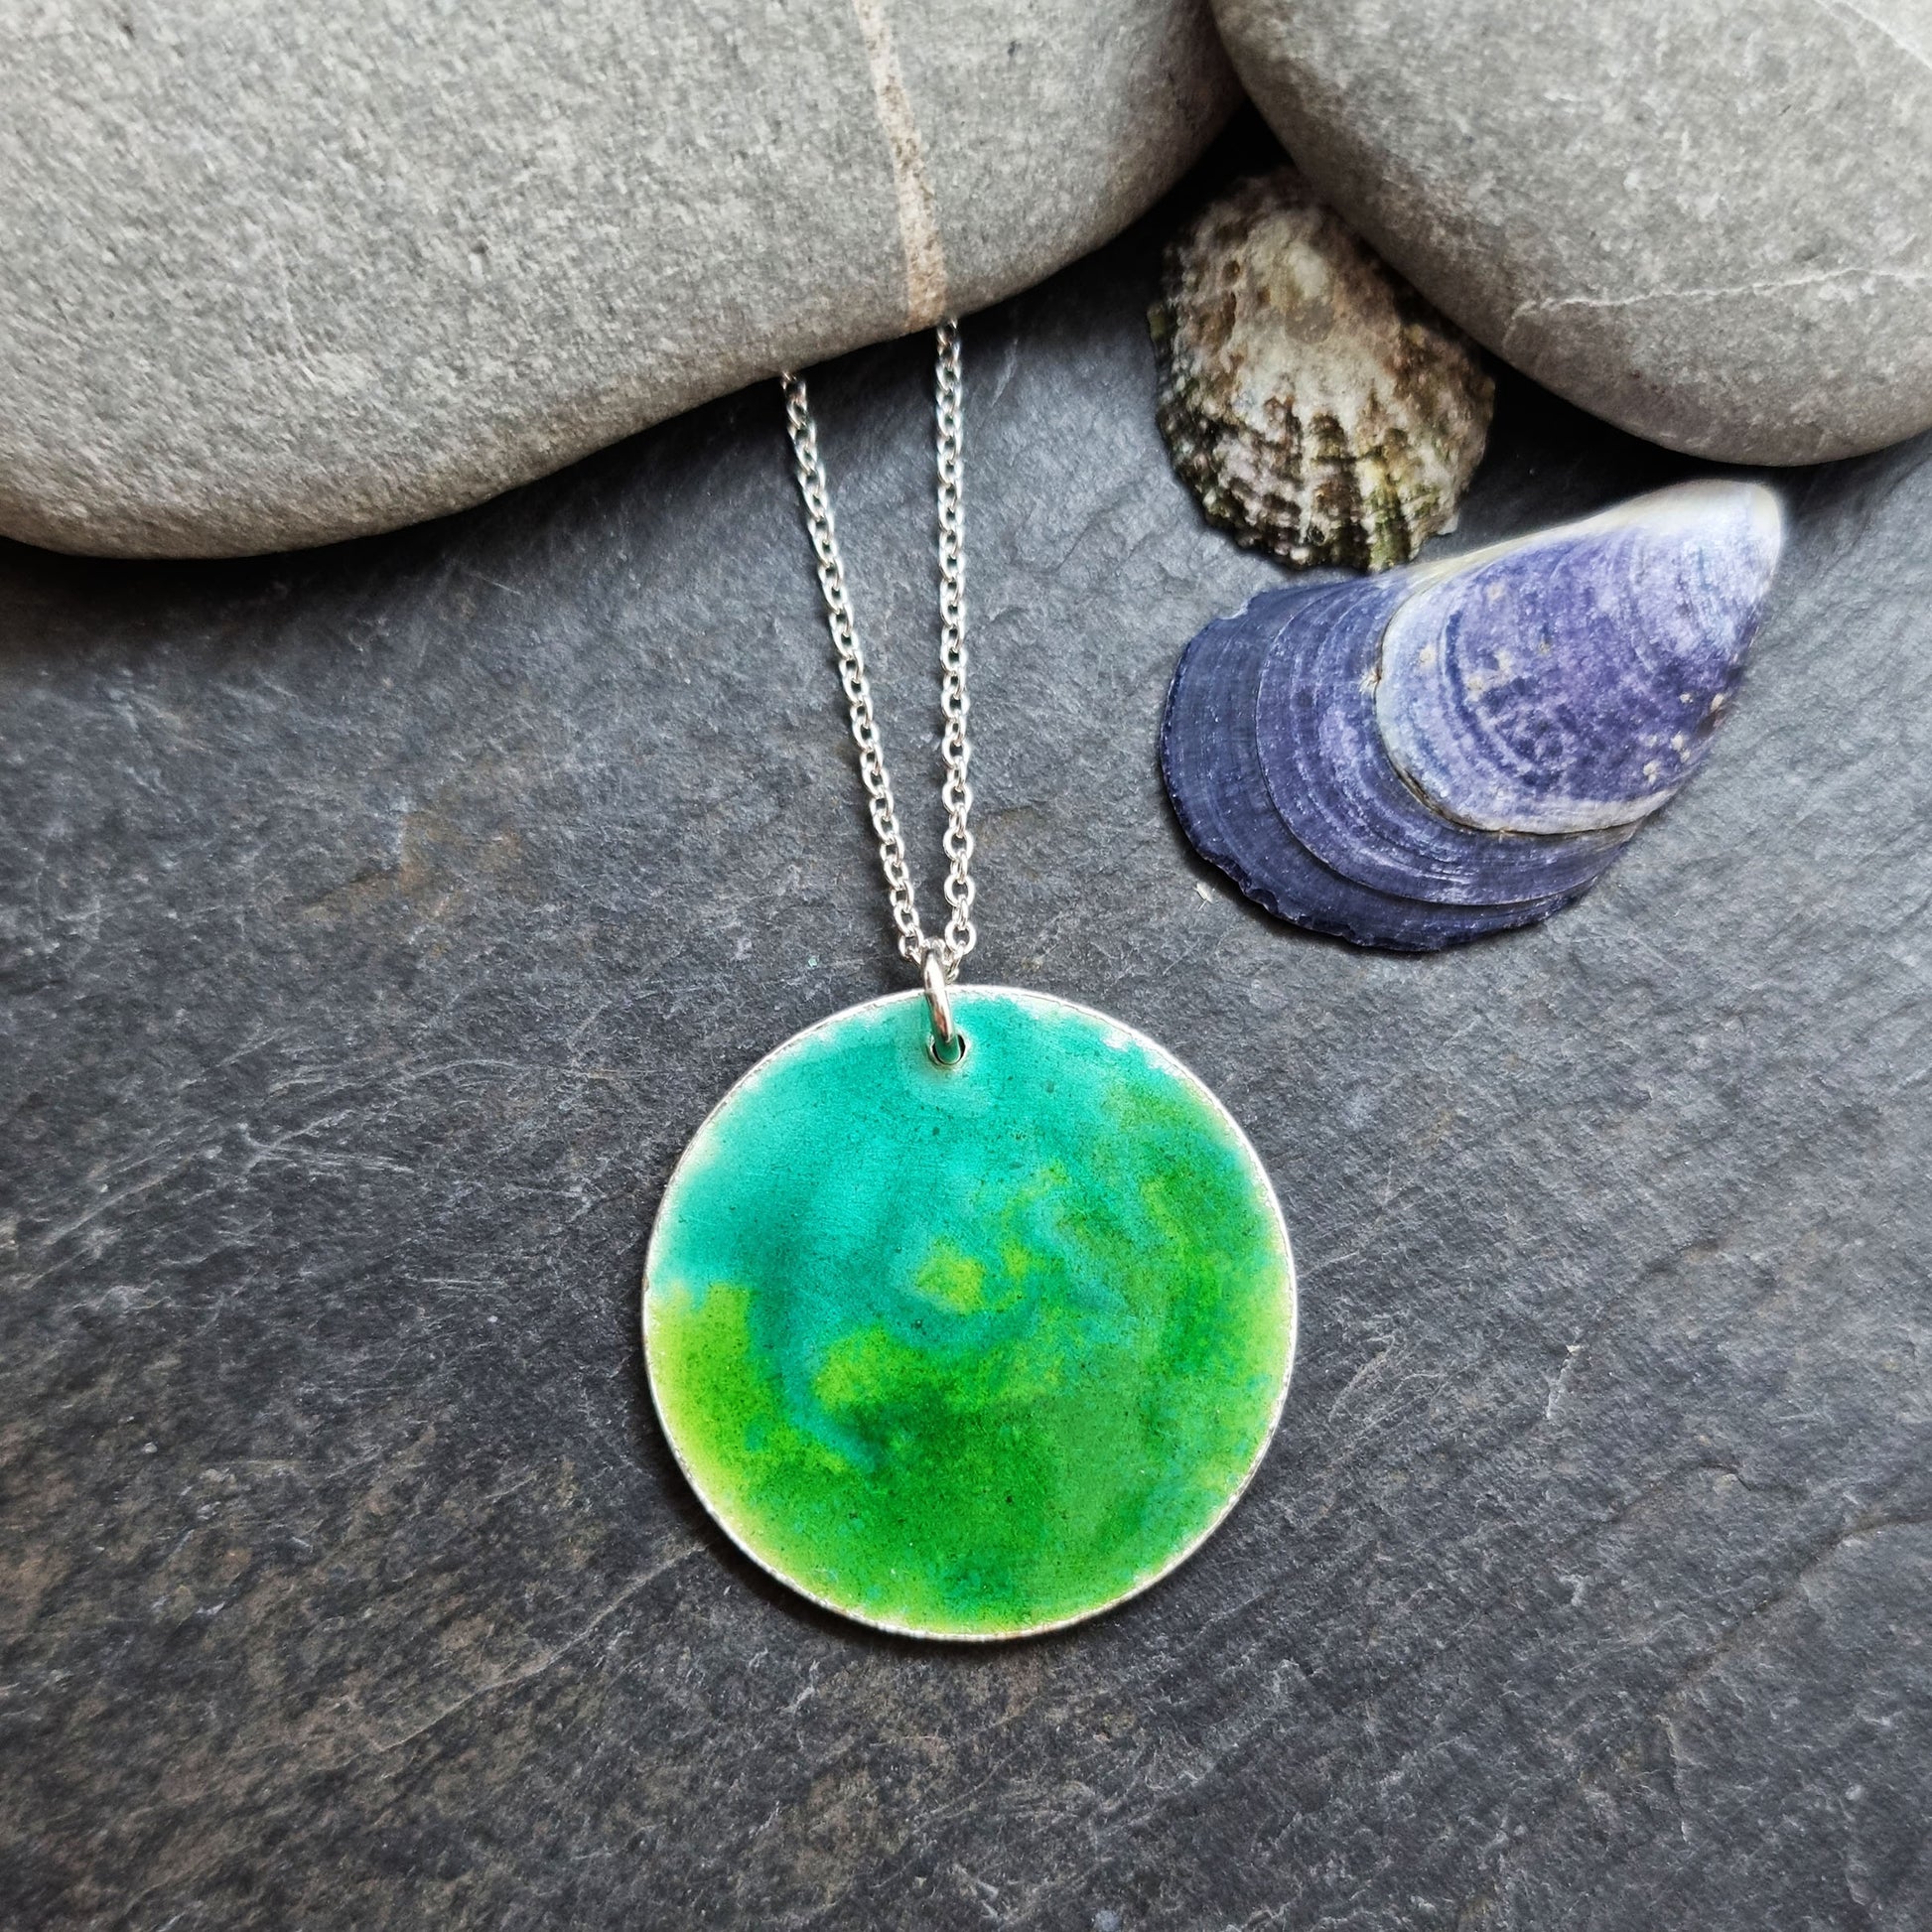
{"x": 1319, "y": 408}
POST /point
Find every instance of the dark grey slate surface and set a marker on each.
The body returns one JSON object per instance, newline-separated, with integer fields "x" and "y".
{"x": 380, "y": 921}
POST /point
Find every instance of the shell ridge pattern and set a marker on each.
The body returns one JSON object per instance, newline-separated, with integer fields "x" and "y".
{"x": 1333, "y": 781}
{"x": 1216, "y": 780}
{"x": 1574, "y": 684}
{"x": 1481, "y": 735}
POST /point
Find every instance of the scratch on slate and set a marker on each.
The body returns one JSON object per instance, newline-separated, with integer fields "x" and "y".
{"x": 1561, "y": 1386}
{"x": 510, "y": 1680}
{"x": 918, "y": 209}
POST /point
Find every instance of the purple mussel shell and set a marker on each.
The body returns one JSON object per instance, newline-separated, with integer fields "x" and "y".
{"x": 1333, "y": 782}
{"x": 1454, "y": 749}
{"x": 1213, "y": 773}
{"x": 1571, "y": 681}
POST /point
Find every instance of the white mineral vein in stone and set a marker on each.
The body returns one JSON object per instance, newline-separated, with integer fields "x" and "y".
{"x": 919, "y": 213}
{"x": 1909, "y": 278}
{"x": 1703, "y": 222}
{"x": 1901, "y": 38}
{"x": 279, "y": 276}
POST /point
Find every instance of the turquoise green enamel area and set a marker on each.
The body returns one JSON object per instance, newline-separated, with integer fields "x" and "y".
{"x": 969, "y": 1351}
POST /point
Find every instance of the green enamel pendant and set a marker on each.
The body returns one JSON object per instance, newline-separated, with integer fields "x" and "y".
{"x": 971, "y": 1350}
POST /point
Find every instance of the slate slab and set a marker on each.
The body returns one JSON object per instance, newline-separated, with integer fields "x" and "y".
{"x": 381, "y": 920}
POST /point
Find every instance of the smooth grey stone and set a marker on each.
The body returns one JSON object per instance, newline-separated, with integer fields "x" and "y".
{"x": 381, "y": 921}
{"x": 1706, "y": 222}
{"x": 277, "y": 275}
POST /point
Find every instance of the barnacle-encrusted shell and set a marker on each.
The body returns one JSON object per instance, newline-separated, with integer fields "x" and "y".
{"x": 1466, "y": 746}
{"x": 1317, "y": 406}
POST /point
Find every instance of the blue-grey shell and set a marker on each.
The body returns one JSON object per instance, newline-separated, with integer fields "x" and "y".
{"x": 1454, "y": 749}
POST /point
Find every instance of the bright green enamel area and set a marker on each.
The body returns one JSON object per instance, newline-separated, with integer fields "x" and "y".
{"x": 968, "y": 1351}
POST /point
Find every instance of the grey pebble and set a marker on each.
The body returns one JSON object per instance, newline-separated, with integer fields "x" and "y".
{"x": 1703, "y": 222}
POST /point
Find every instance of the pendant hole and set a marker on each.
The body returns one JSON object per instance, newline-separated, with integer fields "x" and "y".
{"x": 949, "y": 1055}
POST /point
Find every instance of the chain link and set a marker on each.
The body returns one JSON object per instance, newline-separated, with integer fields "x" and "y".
{"x": 960, "y": 936}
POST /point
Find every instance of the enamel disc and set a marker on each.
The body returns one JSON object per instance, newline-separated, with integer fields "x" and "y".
{"x": 969, "y": 1351}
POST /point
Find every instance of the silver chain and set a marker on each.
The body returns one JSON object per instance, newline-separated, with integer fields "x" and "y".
{"x": 938, "y": 959}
